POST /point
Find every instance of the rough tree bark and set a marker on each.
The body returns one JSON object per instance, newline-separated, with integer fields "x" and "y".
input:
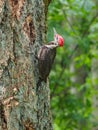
{"x": 22, "y": 32}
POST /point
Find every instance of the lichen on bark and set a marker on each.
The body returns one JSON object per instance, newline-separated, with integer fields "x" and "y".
{"x": 22, "y": 32}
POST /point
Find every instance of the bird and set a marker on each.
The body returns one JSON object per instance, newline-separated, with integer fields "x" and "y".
{"x": 46, "y": 55}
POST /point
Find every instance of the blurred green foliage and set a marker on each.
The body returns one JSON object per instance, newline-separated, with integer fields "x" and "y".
{"x": 71, "y": 80}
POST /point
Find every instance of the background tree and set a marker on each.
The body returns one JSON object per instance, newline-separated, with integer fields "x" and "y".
{"x": 22, "y": 32}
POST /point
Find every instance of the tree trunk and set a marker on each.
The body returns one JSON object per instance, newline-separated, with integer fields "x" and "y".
{"x": 78, "y": 79}
{"x": 94, "y": 71}
{"x": 24, "y": 104}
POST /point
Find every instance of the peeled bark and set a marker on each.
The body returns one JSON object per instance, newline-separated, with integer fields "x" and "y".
{"x": 24, "y": 104}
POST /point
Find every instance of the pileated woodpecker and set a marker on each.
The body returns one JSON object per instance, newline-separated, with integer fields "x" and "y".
{"x": 46, "y": 55}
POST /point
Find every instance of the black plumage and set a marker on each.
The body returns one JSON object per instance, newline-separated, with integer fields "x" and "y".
{"x": 46, "y": 56}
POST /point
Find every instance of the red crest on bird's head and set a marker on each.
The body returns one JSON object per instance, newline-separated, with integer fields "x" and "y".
{"x": 58, "y": 39}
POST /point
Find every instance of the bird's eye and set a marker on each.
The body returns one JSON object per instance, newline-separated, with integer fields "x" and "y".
{"x": 56, "y": 38}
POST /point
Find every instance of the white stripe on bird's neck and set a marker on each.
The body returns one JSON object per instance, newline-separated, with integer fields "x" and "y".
{"x": 52, "y": 45}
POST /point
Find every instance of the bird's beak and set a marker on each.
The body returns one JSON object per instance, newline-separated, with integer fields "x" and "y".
{"x": 54, "y": 31}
